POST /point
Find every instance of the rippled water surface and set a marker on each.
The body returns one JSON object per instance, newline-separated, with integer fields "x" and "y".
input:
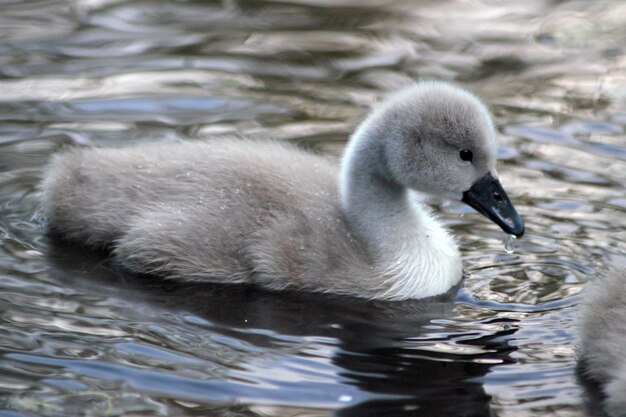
{"x": 78, "y": 337}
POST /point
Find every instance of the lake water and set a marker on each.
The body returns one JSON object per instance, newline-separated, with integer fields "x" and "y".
{"x": 80, "y": 338}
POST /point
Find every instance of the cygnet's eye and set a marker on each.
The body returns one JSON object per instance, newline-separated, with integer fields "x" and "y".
{"x": 466, "y": 155}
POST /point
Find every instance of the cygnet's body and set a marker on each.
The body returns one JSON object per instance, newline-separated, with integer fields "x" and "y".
{"x": 271, "y": 214}
{"x": 602, "y": 347}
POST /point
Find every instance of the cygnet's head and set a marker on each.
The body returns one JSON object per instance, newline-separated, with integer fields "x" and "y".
{"x": 440, "y": 139}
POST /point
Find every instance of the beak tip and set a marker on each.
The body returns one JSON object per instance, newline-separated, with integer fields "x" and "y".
{"x": 518, "y": 228}
{"x": 513, "y": 225}
{"x": 519, "y": 232}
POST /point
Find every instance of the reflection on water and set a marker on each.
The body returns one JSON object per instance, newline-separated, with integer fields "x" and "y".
{"x": 386, "y": 356}
{"x": 77, "y": 337}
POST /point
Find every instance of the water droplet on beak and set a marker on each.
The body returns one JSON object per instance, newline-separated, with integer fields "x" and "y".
{"x": 509, "y": 245}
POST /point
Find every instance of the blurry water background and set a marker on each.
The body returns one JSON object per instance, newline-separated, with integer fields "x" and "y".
{"x": 80, "y": 338}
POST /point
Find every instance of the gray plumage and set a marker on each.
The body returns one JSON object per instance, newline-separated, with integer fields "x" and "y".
{"x": 602, "y": 346}
{"x": 233, "y": 210}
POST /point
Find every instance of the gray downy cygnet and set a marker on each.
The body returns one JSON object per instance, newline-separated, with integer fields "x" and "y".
{"x": 602, "y": 345}
{"x": 268, "y": 213}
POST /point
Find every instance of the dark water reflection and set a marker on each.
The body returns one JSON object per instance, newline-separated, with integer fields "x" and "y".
{"x": 381, "y": 353}
{"x": 78, "y": 337}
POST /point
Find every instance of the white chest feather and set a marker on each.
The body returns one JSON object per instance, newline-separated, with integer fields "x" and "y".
{"x": 425, "y": 264}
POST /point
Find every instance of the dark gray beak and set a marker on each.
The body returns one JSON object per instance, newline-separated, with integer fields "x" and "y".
{"x": 489, "y": 199}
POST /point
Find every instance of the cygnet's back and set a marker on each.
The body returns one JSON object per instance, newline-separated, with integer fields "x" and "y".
{"x": 192, "y": 210}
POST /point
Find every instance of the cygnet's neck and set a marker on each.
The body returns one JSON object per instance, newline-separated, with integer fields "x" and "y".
{"x": 374, "y": 206}
{"x": 417, "y": 255}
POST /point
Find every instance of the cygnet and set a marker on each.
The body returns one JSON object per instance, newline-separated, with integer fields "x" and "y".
{"x": 270, "y": 214}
